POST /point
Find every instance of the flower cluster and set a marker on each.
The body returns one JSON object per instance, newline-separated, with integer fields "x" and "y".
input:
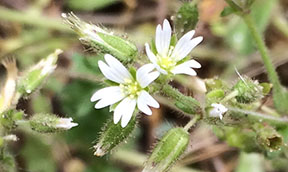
{"x": 129, "y": 91}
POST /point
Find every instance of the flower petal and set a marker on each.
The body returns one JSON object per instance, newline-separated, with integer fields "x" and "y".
{"x": 182, "y": 43}
{"x": 142, "y": 105}
{"x": 153, "y": 59}
{"x": 144, "y": 77}
{"x": 190, "y": 63}
{"x": 150, "y": 54}
{"x": 104, "y": 92}
{"x": 110, "y": 97}
{"x": 185, "y": 45}
{"x": 163, "y": 37}
{"x": 183, "y": 69}
{"x": 117, "y": 66}
{"x": 148, "y": 99}
{"x": 193, "y": 64}
{"x": 125, "y": 110}
{"x": 108, "y": 73}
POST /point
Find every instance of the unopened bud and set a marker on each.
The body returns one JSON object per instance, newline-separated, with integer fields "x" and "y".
{"x": 112, "y": 135}
{"x": 248, "y": 90}
{"x": 168, "y": 150}
{"x": 37, "y": 74}
{"x": 49, "y": 123}
{"x": 101, "y": 40}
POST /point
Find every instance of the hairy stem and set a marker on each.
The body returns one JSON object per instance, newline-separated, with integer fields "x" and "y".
{"x": 192, "y": 122}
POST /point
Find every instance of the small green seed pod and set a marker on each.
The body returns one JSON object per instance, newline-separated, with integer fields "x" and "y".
{"x": 248, "y": 90}
{"x": 112, "y": 135}
{"x": 268, "y": 137}
{"x": 100, "y": 40}
{"x": 34, "y": 77}
{"x": 168, "y": 150}
{"x": 49, "y": 123}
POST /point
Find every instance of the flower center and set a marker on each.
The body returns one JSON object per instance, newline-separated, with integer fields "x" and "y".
{"x": 130, "y": 88}
{"x": 166, "y": 61}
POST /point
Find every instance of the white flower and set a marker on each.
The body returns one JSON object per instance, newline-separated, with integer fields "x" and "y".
{"x": 218, "y": 110}
{"x": 129, "y": 91}
{"x": 65, "y": 123}
{"x": 167, "y": 58}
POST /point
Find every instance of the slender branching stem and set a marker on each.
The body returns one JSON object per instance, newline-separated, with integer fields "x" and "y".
{"x": 192, "y": 122}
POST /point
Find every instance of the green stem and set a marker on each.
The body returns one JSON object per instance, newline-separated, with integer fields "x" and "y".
{"x": 230, "y": 96}
{"x": 34, "y": 20}
{"x": 263, "y": 50}
{"x": 281, "y": 24}
{"x": 260, "y": 116}
{"x": 279, "y": 95}
{"x": 191, "y": 122}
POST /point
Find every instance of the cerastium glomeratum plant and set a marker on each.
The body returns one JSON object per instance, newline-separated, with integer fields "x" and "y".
{"x": 134, "y": 80}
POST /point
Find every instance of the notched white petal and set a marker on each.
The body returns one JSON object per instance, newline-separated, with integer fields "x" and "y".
{"x": 117, "y": 66}
{"x": 148, "y": 99}
{"x": 108, "y": 73}
{"x": 104, "y": 92}
{"x": 150, "y": 54}
{"x": 130, "y": 107}
{"x": 142, "y": 106}
{"x": 180, "y": 69}
{"x": 144, "y": 77}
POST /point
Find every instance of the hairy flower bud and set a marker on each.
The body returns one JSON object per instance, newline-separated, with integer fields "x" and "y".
{"x": 112, "y": 135}
{"x": 248, "y": 90}
{"x": 168, "y": 150}
{"x": 38, "y": 73}
{"x": 49, "y": 123}
{"x": 101, "y": 40}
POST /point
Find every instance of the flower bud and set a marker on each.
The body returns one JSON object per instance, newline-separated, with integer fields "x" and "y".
{"x": 101, "y": 40}
{"x": 112, "y": 135}
{"x": 248, "y": 90}
{"x": 49, "y": 123}
{"x": 38, "y": 73}
{"x": 168, "y": 150}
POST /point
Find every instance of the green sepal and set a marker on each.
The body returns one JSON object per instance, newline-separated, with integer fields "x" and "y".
{"x": 122, "y": 49}
{"x": 266, "y": 88}
{"x": 44, "y": 123}
{"x": 168, "y": 150}
{"x": 112, "y": 135}
{"x": 248, "y": 90}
